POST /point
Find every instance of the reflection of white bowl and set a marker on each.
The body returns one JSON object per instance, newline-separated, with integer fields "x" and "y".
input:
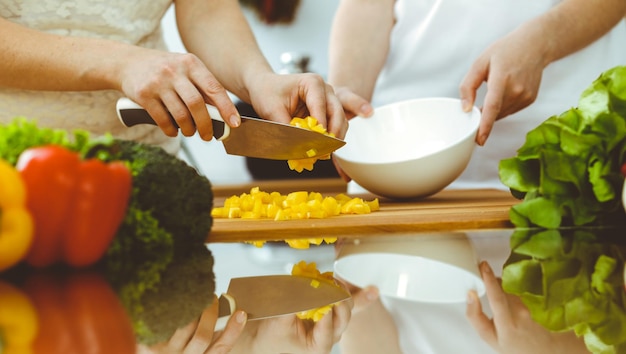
{"x": 438, "y": 269}
{"x": 409, "y": 149}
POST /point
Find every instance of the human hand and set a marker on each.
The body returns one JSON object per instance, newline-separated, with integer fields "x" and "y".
{"x": 180, "y": 84}
{"x": 353, "y": 104}
{"x": 512, "y": 67}
{"x": 282, "y": 97}
{"x": 199, "y": 336}
{"x": 289, "y": 334}
{"x": 512, "y": 329}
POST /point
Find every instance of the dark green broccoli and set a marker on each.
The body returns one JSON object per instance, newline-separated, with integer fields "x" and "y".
{"x": 173, "y": 192}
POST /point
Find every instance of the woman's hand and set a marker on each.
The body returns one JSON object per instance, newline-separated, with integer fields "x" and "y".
{"x": 174, "y": 85}
{"x": 289, "y": 334}
{"x": 512, "y": 329}
{"x": 282, "y": 97}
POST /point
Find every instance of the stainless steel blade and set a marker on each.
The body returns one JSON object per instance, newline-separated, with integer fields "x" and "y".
{"x": 277, "y": 295}
{"x": 255, "y": 137}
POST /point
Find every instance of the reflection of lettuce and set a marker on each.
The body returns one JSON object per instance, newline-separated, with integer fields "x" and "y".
{"x": 568, "y": 170}
{"x": 572, "y": 280}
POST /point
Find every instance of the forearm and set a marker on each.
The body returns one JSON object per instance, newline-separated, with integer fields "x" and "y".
{"x": 574, "y": 24}
{"x": 36, "y": 60}
{"x": 219, "y": 34}
{"x": 359, "y": 44}
{"x": 371, "y": 331}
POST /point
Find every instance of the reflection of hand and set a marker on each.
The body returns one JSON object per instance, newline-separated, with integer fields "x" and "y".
{"x": 289, "y": 334}
{"x": 199, "y": 337}
{"x": 282, "y": 97}
{"x": 512, "y": 330}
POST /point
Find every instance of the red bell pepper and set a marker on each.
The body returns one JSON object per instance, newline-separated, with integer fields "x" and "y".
{"x": 77, "y": 205}
{"x": 78, "y": 313}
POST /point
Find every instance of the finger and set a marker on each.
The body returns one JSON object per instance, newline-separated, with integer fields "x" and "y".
{"x": 203, "y": 334}
{"x": 365, "y": 298}
{"x": 477, "y": 318}
{"x": 344, "y": 176}
{"x": 161, "y": 116}
{"x": 323, "y": 333}
{"x": 342, "y": 313}
{"x": 186, "y": 107}
{"x": 353, "y": 104}
{"x": 472, "y": 81}
{"x": 228, "y": 338}
{"x": 314, "y": 94}
{"x": 178, "y": 341}
{"x": 496, "y": 296}
{"x": 337, "y": 121}
{"x": 490, "y": 111}
{"x": 214, "y": 93}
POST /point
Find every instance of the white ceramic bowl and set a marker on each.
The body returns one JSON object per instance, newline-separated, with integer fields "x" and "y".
{"x": 438, "y": 269}
{"x": 409, "y": 149}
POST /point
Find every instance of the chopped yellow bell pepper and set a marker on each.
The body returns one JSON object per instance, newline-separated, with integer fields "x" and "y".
{"x": 295, "y": 205}
{"x": 310, "y": 270}
{"x": 309, "y": 123}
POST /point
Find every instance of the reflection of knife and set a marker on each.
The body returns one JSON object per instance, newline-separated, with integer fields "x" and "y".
{"x": 276, "y": 295}
{"x": 254, "y": 137}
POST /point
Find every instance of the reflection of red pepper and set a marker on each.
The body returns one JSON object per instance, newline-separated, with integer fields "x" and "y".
{"x": 79, "y": 313}
{"x": 77, "y": 205}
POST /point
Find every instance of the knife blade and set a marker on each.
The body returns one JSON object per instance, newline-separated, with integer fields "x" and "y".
{"x": 255, "y": 137}
{"x": 270, "y": 296}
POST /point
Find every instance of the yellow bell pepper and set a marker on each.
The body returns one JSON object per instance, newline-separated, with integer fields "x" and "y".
{"x": 310, "y": 270}
{"x": 16, "y": 222}
{"x": 309, "y": 123}
{"x": 18, "y": 321}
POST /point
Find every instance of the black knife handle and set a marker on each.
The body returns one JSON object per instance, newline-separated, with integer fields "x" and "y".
{"x": 131, "y": 114}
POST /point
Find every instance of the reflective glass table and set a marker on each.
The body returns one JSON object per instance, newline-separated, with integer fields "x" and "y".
{"x": 548, "y": 291}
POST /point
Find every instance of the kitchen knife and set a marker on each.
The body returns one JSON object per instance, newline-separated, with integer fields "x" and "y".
{"x": 276, "y": 295}
{"x": 255, "y": 137}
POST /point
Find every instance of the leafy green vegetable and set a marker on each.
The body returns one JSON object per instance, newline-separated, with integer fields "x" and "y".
{"x": 568, "y": 170}
{"x": 572, "y": 280}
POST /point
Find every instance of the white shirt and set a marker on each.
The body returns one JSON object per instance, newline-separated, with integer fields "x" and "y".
{"x": 434, "y": 42}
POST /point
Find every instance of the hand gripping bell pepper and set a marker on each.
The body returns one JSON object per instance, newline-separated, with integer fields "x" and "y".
{"x": 16, "y": 223}
{"x": 78, "y": 313}
{"x": 77, "y": 205}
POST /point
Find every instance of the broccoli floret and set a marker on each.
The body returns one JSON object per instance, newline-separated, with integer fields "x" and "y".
{"x": 175, "y": 193}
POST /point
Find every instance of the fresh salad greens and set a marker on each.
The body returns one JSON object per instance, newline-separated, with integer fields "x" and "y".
{"x": 568, "y": 170}
{"x": 572, "y": 280}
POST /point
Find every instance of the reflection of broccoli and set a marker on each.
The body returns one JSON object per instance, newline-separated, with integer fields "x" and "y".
{"x": 185, "y": 290}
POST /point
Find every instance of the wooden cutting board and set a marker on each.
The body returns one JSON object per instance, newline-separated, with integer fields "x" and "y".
{"x": 448, "y": 210}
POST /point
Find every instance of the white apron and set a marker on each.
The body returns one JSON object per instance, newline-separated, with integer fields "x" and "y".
{"x": 434, "y": 42}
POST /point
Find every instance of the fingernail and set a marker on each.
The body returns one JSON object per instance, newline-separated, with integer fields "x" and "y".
{"x": 366, "y": 109}
{"x": 470, "y": 297}
{"x": 234, "y": 120}
{"x": 240, "y": 317}
{"x": 482, "y": 139}
{"x": 465, "y": 105}
{"x": 485, "y": 268}
{"x": 371, "y": 294}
